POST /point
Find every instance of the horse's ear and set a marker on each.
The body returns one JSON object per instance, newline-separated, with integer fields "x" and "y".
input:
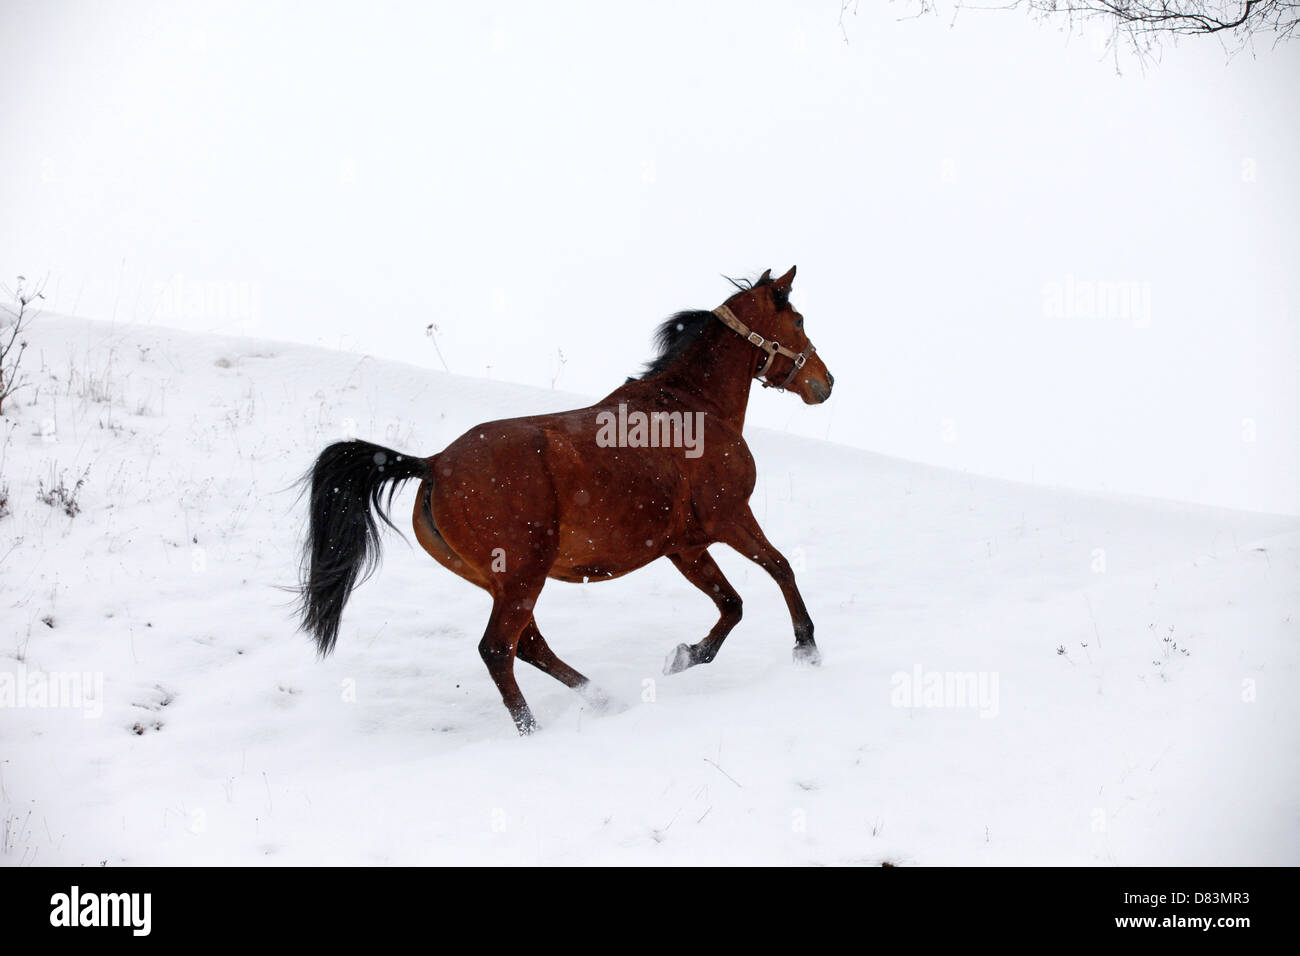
{"x": 784, "y": 283}
{"x": 765, "y": 277}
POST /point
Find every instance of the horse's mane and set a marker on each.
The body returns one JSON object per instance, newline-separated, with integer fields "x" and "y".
{"x": 679, "y": 332}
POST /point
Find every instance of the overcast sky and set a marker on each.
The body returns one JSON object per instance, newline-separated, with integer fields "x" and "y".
{"x": 1014, "y": 261}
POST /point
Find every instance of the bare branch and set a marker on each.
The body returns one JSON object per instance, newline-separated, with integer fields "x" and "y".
{"x": 1142, "y": 24}
{"x": 14, "y": 345}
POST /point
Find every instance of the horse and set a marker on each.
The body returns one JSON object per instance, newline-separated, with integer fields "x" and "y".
{"x": 658, "y": 468}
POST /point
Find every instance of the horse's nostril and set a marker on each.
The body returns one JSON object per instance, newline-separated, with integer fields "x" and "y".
{"x": 830, "y": 379}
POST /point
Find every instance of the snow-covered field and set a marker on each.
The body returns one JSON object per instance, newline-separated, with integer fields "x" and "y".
{"x": 1134, "y": 661}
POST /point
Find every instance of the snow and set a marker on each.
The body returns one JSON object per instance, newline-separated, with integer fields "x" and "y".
{"x": 219, "y": 738}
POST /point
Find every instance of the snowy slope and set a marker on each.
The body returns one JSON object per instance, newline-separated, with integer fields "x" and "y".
{"x": 219, "y": 738}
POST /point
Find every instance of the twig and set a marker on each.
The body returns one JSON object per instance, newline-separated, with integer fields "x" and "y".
{"x": 724, "y": 773}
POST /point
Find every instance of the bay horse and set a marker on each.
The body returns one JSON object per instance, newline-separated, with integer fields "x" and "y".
{"x": 569, "y": 496}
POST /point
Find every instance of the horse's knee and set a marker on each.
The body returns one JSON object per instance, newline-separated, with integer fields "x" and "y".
{"x": 495, "y": 654}
{"x": 732, "y": 607}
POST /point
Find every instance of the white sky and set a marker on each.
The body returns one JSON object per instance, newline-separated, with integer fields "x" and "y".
{"x": 564, "y": 175}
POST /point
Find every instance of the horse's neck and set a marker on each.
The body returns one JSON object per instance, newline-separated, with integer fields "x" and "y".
{"x": 716, "y": 372}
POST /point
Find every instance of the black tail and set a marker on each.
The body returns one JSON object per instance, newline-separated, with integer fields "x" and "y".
{"x": 342, "y": 549}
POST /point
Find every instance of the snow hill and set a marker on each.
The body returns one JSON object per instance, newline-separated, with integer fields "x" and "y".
{"x": 1013, "y": 674}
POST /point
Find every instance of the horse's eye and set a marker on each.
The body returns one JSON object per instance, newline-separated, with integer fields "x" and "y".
{"x": 798, "y": 323}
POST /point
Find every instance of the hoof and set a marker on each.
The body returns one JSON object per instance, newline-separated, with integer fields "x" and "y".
{"x": 606, "y": 707}
{"x": 807, "y": 655}
{"x": 596, "y": 699}
{"x": 526, "y": 725}
{"x": 679, "y": 660}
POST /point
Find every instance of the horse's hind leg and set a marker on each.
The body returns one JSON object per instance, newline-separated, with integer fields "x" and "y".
{"x": 512, "y": 609}
{"x": 700, "y": 569}
{"x": 534, "y": 650}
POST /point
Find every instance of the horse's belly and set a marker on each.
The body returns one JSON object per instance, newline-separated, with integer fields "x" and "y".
{"x": 626, "y": 532}
{"x": 617, "y": 508}
{"x": 595, "y": 554}
{"x": 586, "y": 573}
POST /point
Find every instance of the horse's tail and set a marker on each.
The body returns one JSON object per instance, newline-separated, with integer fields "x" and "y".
{"x": 342, "y": 547}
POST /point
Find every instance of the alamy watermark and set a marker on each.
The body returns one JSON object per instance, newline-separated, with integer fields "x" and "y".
{"x": 210, "y": 300}
{"x": 636, "y": 429}
{"x": 128, "y": 910}
{"x": 1075, "y": 298}
{"x": 977, "y": 690}
{"x": 72, "y": 690}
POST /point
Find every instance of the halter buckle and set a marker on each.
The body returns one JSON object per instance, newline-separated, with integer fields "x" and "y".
{"x": 772, "y": 348}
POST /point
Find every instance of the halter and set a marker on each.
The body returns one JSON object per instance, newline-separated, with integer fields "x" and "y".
{"x": 771, "y": 347}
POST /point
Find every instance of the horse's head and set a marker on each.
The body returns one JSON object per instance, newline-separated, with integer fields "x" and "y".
{"x": 789, "y": 360}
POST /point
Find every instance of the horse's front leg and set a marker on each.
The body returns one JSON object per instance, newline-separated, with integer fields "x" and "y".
{"x": 746, "y": 537}
{"x": 700, "y": 569}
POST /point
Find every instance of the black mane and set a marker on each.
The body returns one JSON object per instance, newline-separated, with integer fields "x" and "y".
{"x": 678, "y": 332}
{"x": 673, "y": 337}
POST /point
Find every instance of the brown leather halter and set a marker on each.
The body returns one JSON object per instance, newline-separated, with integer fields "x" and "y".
{"x": 772, "y": 348}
